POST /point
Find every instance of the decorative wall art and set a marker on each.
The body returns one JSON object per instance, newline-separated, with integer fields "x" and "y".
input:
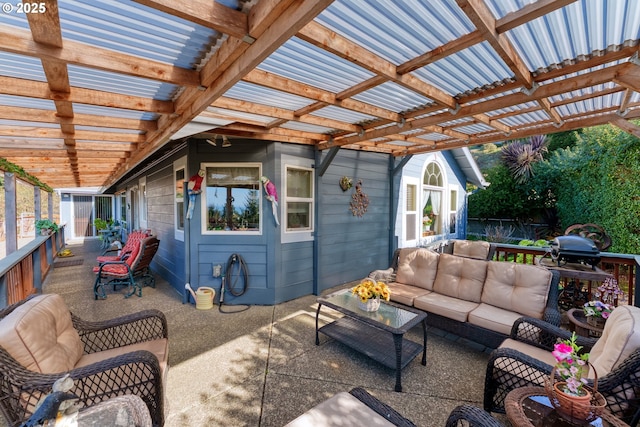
{"x": 359, "y": 201}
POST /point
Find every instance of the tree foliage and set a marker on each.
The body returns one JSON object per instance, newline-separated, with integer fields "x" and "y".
{"x": 504, "y": 198}
{"x": 591, "y": 176}
{"x": 598, "y": 181}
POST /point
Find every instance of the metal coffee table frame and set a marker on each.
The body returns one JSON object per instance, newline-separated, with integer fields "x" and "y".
{"x": 364, "y": 331}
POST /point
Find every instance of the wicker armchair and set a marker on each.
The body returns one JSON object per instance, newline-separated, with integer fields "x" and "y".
{"x": 39, "y": 344}
{"x": 525, "y": 359}
{"x": 471, "y": 416}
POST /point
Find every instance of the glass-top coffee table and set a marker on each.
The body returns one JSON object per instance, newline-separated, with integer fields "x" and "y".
{"x": 530, "y": 406}
{"x": 377, "y": 334}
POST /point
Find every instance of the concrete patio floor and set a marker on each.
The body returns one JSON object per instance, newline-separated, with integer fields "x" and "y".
{"x": 261, "y": 367}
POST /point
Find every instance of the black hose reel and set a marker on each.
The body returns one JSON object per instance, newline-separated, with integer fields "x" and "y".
{"x": 236, "y": 271}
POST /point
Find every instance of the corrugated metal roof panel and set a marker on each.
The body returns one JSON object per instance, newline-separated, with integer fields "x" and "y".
{"x": 342, "y": 114}
{"x": 433, "y": 136}
{"x": 35, "y": 103}
{"x": 474, "y": 128}
{"x": 392, "y": 96}
{"x": 239, "y": 114}
{"x": 579, "y": 28}
{"x": 306, "y": 63}
{"x": 306, "y": 127}
{"x": 22, "y": 67}
{"x": 397, "y": 30}
{"x": 110, "y": 130}
{"x": 135, "y": 29}
{"x": 253, "y": 93}
{"x": 18, "y": 123}
{"x": 113, "y": 112}
{"x": 526, "y": 118}
{"x": 127, "y": 85}
{"x": 465, "y": 70}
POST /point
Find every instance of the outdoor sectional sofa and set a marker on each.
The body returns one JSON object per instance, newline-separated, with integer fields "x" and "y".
{"x": 473, "y": 298}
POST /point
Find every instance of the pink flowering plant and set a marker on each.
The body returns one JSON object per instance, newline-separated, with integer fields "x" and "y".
{"x": 571, "y": 366}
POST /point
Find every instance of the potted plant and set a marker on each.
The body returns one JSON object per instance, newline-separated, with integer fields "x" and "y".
{"x": 100, "y": 224}
{"x": 597, "y": 312}
{"x": 46, "y": 226}
{"x": 370, "y": 292}
{"x": 570, "y": 396}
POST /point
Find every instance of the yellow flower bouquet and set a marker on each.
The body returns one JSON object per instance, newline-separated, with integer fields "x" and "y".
{"x": 370, "y": 292}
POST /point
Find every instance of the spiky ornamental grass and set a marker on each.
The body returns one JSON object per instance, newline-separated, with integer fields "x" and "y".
{"x": 519, "y": 156}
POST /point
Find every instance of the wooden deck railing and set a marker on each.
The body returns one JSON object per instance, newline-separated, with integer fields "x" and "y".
{"x": 623, "y": 267}
{"x": 23, "y": 272}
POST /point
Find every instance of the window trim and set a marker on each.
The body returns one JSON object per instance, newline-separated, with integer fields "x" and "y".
{"x": 181, "y": 163}
{"x": 143, "y": 203}
{"x": 290, "y": 199}
{"x": 299, "y": 163}
{"x": 416, "y": 183}
{"x": 203, "y": 201}
{"x": 453, "y": 188}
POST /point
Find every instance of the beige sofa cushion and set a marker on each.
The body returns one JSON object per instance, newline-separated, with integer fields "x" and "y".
{"x": 450, "y": 307}
{"x": 460, "y": 277}
{"x": 517, "y": 287}
{"x": 40, "y": 335}
{"x": 417, "y": 267}
{"x": 471, "y": 249}
{"x": 405, "y": 294}
{"x": 493, "y": 318}
{"x": 620, "y": 338}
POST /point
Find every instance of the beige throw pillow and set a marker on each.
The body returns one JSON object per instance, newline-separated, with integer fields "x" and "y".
{"x": 620, "y": 338}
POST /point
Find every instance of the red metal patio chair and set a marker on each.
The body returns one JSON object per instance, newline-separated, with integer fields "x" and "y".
{"x": 134, "y": 272}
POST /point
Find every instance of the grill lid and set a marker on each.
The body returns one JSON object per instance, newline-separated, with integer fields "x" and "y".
{"x": 575, "y": 249}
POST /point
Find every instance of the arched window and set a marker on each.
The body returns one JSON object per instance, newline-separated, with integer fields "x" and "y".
{"x": 432, "y": 191}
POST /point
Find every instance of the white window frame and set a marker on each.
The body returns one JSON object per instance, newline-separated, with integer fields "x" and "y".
{"x": 453, "y": 209}
{"x": 293, "y": 235}
{"x": 179, "y": 164}
{"x": 417, "y": 214}
{"x": 204, "y": 208}
{"x": 142, "y": 205}
{"x": 444, "y": 197}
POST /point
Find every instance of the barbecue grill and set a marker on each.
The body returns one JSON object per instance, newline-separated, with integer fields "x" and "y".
{"x": 575, "y": 249}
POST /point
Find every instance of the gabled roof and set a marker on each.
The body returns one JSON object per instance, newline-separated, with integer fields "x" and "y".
{"x": 89, "y": 89}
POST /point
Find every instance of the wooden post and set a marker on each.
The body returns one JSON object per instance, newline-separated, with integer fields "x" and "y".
{"x": 10, "y": 209}
{"x": 37, "y": 207}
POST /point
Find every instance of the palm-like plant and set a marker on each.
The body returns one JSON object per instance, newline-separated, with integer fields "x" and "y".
{"x": 519, "y": 156}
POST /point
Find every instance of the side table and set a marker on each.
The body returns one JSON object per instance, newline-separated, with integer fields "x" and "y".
{"x": 579, "y": 321}
{"x": 530, "y": 407}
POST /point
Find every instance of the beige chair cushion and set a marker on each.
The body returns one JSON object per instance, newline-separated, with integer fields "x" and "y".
{"x": 620, "y": 338}
{"x": 471, "y": 249}
{"x": 341, "y": 410}
{"x": 460, "y": 277}
{"x": 517, "y": 287}
{"x": 417, "y": 267}
{"x": 40, "y": 335}
{"x": 405, "y": 294}
{"x": 159, "y": 347}
{"x": 532, "y": 351}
